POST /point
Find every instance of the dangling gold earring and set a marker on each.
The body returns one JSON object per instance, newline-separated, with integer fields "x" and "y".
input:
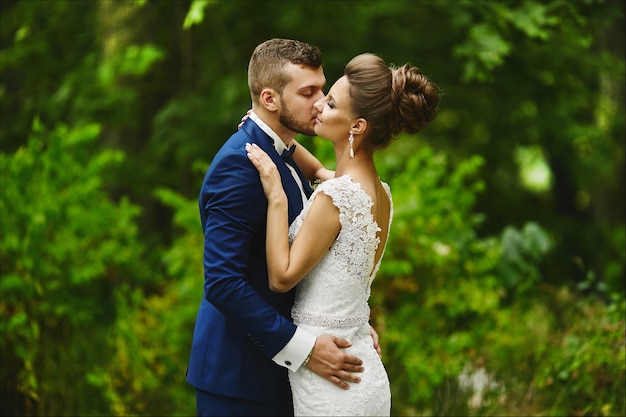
{"x": 351, "y": 139}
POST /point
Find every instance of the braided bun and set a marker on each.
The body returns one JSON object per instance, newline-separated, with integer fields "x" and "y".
{"x": 392, "y": 100}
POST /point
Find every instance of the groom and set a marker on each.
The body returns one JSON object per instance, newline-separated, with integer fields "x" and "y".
{"x": 243, "y": 342}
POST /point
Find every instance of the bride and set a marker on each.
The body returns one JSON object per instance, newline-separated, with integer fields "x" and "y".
{"x": 335, "y": 246}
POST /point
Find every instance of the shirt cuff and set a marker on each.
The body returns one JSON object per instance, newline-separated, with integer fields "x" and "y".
{"x": 296, "y": 350}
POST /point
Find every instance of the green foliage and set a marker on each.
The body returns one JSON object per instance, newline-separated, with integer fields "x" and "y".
{"x": 466, "y": 323}
{"x": 65, "y": 248}
{"x": 195, "y": 15}
{"x": 585, "y": 365}
{"x": 489, "y": 42}
{"x": 486, "y": 278}
{"x": 522, "y": 252}
{"x": 147, "y": 371}
{"x": 437, "y": 281}
{"x": 151, "y": 345}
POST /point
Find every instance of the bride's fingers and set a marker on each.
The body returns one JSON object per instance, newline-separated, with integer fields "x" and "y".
{"x": 255, "y": 153}
{"x": 258, "y": 154}
{"x": 260, "y": 159}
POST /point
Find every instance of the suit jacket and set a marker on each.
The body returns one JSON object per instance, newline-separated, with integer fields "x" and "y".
{"x": 241, "y": 324}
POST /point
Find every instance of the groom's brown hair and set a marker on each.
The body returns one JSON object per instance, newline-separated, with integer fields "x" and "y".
{"x": 266, "y": 67}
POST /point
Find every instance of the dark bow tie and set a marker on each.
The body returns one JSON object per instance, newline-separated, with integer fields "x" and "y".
{"x": 287, "y": 154}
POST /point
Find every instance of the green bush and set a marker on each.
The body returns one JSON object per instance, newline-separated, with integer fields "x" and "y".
{"x": 153, "y": 338}
{"x": 437, "y": 290}
{"x": 66, "y": 250}
{"x": 468, "y": 324}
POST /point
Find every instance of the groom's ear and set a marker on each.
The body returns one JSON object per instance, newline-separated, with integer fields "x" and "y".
{"x": 269, "y": 99}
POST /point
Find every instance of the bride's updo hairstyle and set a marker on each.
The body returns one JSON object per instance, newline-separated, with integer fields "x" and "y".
{"x": 392, "y": 100}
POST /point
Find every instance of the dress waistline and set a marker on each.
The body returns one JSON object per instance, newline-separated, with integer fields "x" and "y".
{"x": 322, "y": 320}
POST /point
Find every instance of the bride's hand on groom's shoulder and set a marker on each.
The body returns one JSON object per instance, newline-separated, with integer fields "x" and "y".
{"x": 270, "y": 177}
{"x": 243, "y": 119}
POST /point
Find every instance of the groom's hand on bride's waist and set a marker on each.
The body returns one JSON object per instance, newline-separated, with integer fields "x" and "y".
{"x": 330, "y": 361}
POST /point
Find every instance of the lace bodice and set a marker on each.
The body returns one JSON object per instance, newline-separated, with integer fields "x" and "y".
{"x": 336, "y": 291}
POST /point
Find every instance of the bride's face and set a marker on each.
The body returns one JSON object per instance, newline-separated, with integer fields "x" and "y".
{"x": 334, "y": 117}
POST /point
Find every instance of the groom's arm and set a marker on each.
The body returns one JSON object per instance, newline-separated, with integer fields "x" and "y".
{"x": 234, "y": 208}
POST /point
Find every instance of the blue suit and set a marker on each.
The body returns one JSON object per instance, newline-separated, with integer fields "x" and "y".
{"x": 241, "y": 324}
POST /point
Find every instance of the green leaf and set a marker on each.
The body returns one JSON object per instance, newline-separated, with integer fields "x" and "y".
{"x": 195, "y": 15}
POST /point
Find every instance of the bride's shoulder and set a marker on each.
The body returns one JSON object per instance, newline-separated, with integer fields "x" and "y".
{"x": 344, "y": 192}
{"x": 338, "y": 184}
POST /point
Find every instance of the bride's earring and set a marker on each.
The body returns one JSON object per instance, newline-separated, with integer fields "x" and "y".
{"x": 351, "y": 139}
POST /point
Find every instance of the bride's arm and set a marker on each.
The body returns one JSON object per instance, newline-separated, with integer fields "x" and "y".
{"x": 315, "y": 236}
{"x": 287, "y": 265}
{"x": 310, "y": 166}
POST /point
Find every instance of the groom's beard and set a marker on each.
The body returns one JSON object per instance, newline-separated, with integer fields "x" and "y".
{"x": 288, "y": 120}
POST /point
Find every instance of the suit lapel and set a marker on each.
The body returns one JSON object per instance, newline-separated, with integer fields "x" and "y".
{"x": 289, "y": 184}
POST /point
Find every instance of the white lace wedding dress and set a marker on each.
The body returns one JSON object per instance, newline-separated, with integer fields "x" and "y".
{"x": 333, "y": 299}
